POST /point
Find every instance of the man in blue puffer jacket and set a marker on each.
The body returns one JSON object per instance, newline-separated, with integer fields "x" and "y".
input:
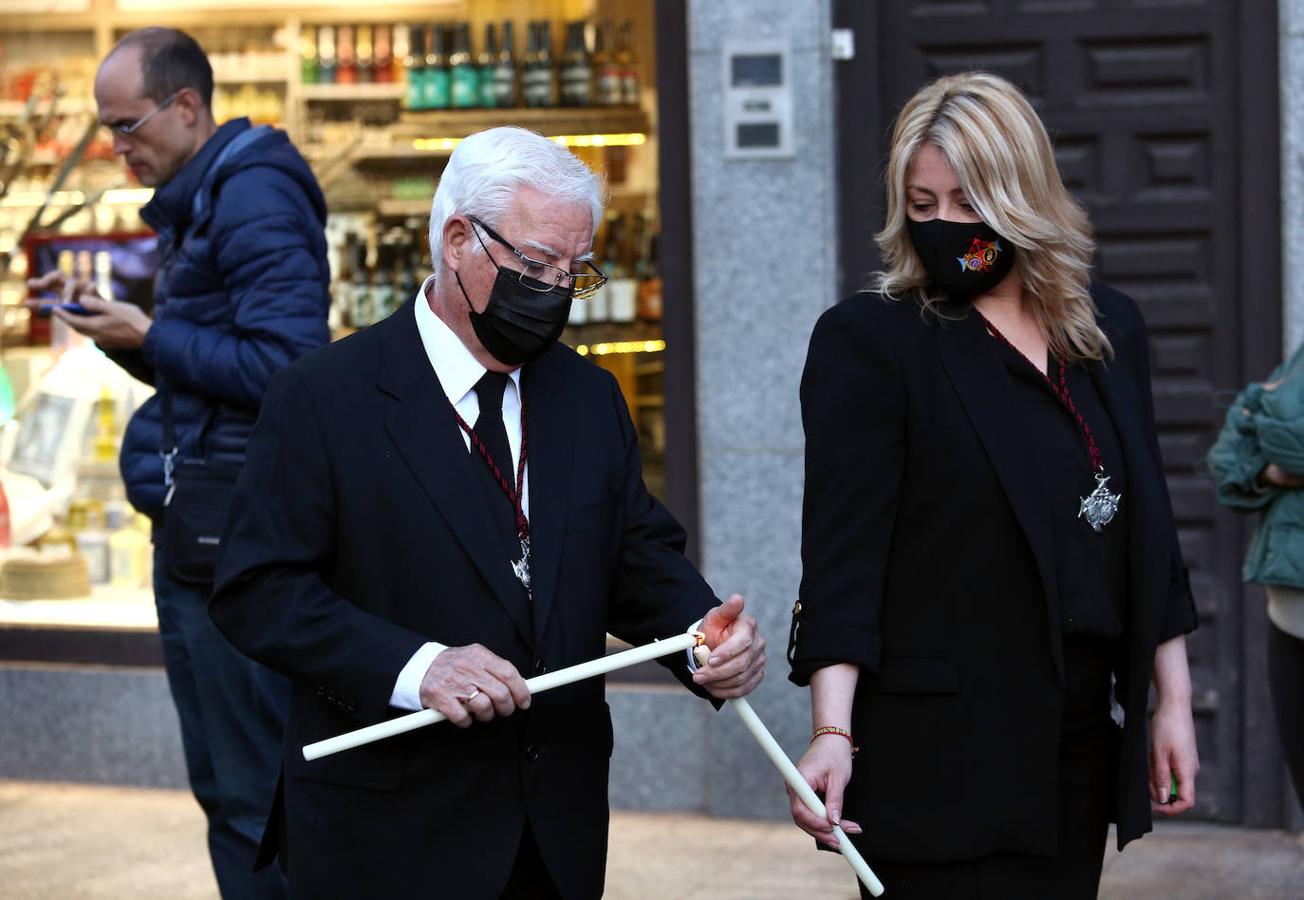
{"x": 243, "y": 291}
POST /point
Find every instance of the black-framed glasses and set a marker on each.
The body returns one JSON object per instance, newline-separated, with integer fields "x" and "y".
{"x": 130, "y": 128}
{"x": 540, "y": 276}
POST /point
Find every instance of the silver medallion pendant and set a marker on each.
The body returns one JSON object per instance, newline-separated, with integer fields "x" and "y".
{"x": 1099, "y": 507}
{"x": 521, "y": 568}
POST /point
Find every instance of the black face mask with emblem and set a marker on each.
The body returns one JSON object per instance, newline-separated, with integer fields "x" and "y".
{"x": 523, "y": 318}
{"x": 963, "y": 259}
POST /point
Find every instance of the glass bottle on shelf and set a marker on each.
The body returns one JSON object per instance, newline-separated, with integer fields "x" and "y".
{"x": 400, "y": 50}
{"x": 576, "y": 72}
{"x": 547, "y": 63}
{"x": 463, "y": 75}
{"x": 579, "y": 311}
{"x": 347, "y": 73}
{"x": 604, "y": 63}
{"x": 407, "y": 262}
{"x": 363, "y": 312}
{"x": 382, "y": 68}
{"x": 538, "y": 81}
{"x": 649, "y": 286}
{"x": 327, "y": 63}
{"x": 609, "y": 240}
{"x": 437, "y": 79}
{"x": 365, "y": 60}
{"x": 307, "y": 56}
{"x": 382, "y": 289}
{"x": 623, "y": 287}
{"x": 486, "y": 65}
{"x": 627, "y": 63}
{"x": 415, "y": 65}
{"x": 104, "y": 443}
{"x": 341, "y": 311}
{"x": 529, "y": 64}
{"x": 505, "y": 80}
{"x": 104, "y": 274}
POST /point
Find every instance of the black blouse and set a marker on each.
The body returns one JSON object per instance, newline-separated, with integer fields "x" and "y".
{"x": 1091, "y": 567}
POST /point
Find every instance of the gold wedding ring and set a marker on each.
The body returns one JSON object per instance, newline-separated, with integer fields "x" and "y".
{"x": 475, "y": 692}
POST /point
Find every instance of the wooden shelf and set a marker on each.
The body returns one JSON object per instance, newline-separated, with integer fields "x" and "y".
{"x": 227, "y": 80}
{"x": 456, "y": 123}
{"x": 395, "y": 208}
{"x": 68, "y": 106}
{"x": 344, "y": 93}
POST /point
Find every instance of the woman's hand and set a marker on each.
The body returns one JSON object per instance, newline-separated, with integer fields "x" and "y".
{"x": 1275, "y": 474}
{"x": 826, "y": 766}
{"x": 1172, "y": 755}
{"x": 1172, "y": 731}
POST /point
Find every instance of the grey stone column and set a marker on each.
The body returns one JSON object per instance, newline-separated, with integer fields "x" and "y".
{"x": 1292, "y": 169}
{"x": 1291, "y": 63}
{"x": 765, "y": 251}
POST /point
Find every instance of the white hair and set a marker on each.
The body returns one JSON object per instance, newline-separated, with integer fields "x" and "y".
{"x": 486, "y": 169}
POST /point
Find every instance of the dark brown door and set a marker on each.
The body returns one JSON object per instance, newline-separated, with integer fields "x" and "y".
{"x": 1164, "y": 121}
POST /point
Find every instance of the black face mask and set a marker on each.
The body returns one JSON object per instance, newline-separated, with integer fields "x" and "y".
{"x": 519, "y": 323}
{"x": 962, "y": 259}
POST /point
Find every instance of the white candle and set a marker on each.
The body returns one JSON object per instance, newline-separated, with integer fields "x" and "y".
{"x": 794, "y": 778}
{"x": 808, "y": 796}
{"x": 677, "y": 644}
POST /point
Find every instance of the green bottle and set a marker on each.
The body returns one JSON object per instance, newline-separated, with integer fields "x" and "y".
{"x": 437, "y": 94}
{"x": 414, "y": 63}
{"x": 488, "y": 64}
{"x": 463, "y": 74}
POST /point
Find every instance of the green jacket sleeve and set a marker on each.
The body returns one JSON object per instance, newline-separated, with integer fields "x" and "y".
{"x": 1236, "y": 458}
{"x": 1281, "y": 432}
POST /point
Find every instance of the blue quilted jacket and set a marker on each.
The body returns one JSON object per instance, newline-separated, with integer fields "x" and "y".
{"x": 242, "y": 291}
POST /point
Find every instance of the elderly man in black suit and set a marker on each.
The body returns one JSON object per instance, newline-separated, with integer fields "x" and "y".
{"x": 433, "y": 507}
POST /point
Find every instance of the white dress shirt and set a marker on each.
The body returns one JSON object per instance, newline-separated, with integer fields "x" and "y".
{"x": 458, "y": 372}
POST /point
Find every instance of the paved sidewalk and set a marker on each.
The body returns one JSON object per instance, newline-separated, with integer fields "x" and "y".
{"x": 77, "y": 841}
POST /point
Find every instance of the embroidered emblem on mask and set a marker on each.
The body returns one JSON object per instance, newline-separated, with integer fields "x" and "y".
{"x": 981, "y": 255}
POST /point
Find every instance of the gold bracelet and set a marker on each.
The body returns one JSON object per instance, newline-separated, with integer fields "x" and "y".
{"x": 833, "y": 729}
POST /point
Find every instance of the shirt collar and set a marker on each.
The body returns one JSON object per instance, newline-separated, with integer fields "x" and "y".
{"x": 457, "y": 370}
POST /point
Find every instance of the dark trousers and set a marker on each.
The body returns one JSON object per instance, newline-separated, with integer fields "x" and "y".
{"x": 1087, "y": 765}
{"x": 530, "y": 879}
{"x": 1286, "y": 679}
{"x": 232, "y": 712}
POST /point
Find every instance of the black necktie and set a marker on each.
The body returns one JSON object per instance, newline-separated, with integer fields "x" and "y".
{"x": 489, "y": 426}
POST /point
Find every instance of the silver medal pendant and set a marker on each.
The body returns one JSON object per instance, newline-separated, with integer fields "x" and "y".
{"x": 1099, "y": 507}
{"x": 521, "y": 568}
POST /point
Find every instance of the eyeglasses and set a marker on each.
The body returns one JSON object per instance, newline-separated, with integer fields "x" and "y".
{"x": 540, "y": 276}
{"x": 131, "y": 128}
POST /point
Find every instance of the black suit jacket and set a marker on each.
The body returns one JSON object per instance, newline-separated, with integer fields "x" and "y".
{"x": 359, "y": 531}
{"x": 927, "y": 561}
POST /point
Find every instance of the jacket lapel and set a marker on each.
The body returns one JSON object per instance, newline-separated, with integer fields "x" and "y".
{"x": 983, "y": 386}
{"x": 551, "y": 443}
{"x": 428, "y": 438}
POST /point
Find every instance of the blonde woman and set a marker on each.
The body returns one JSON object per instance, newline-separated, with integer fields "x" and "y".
{"x": 991, "y": 570}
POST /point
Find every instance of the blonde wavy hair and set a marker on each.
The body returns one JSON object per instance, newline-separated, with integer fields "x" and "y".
{"x": 1002, "y": 157}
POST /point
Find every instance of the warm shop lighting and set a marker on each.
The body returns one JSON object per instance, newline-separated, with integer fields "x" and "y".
{"x": 631, "y": 139}
{"x": 435, "y": 144}
{"x": 135, "y": 196}
{"x": 620, "y": 347}
{"x": 36, "y": 198}
{"x": 139, "y": 196}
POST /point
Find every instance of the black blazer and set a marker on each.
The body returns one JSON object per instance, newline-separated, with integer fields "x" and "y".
{"x": 927, "y": 561}
{"x": 359, "y": 531}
